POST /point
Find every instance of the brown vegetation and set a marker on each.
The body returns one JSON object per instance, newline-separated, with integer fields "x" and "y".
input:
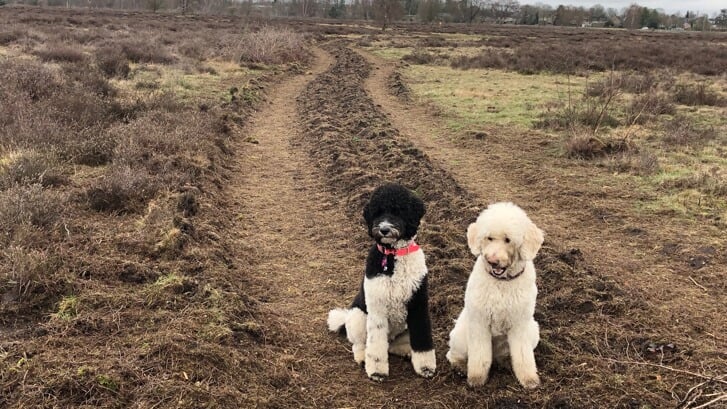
{"x": 559, "y": 50}
{"x": 271, "y": 45}
{"x": 117, "y": 285}
{"x": 103, "y": 234}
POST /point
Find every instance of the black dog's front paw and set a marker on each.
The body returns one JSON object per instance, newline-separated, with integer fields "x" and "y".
{"x": 427, "y": 372}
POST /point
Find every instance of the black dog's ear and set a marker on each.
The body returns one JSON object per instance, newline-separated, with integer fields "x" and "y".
{"x": 414, "y": 213}
{"x": 417, "y": 207}
{"x": 367, "y": 213}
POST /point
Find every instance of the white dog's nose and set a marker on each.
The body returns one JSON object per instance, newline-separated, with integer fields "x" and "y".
{"x": 495, "y": 260}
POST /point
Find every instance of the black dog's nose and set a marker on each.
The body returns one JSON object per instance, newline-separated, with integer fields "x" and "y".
{"x": 384, "y": 231}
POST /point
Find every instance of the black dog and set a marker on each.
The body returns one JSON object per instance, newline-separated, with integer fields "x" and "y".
{"x": 390, "y": 312}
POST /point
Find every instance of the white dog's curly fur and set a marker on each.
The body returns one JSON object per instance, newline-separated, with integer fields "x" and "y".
{"x": 497, "y": 319}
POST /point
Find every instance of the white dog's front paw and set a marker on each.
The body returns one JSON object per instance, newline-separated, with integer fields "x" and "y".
{"x": 476, "y": 379}
{"x": 377, "y": 368}
{"x": 529, "y": 381}
{"x": 458, "y": 365}
{"x": 425, "y": 363}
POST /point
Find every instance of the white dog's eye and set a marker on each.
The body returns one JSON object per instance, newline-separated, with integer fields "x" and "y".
{"x": 507, "y": 240}
{"x": 489, "y": 238}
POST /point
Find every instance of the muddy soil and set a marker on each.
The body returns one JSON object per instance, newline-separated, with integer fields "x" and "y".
{"x": 587, "y": 343}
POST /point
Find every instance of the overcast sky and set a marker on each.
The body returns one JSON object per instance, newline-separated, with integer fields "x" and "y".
{"x": 670, "y": 6}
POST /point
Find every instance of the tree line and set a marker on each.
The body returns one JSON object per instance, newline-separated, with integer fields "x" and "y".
{"x": 426, "y": 11}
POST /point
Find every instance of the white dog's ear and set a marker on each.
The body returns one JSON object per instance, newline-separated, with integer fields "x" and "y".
{"x": 472, "y": 240}
{"x": 531, "y": 242}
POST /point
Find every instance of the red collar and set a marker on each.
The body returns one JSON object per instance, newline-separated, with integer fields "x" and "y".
{"x": 411, "y": 248}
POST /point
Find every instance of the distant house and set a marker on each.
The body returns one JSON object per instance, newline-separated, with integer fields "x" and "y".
{"x": 594, "y": 24}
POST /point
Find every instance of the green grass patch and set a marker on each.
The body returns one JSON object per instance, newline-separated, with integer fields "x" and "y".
{"x": 472, "y": 98}
{"x": 187, "y": 87}
{"x": 389, "y": 53}
{"x": 67, "y": 308}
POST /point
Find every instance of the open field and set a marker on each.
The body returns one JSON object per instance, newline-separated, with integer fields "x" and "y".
{"x": 180, "y": 202}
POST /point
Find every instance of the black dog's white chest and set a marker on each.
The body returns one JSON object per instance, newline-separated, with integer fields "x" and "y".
{"x": 392, "y": 290}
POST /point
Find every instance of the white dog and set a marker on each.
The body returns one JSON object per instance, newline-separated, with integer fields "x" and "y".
{"x": 497, "y": 319}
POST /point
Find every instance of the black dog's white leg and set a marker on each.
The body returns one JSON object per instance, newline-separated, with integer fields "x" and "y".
{"x": 356, "y": 333}
{"x": 423, "y": 357}
{"x": 377, "y": 346}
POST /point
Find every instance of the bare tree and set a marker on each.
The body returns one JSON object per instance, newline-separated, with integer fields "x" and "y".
{"x": 428, "y": 10}
{"x": 470, "y": 9}
{"x": 632, "y": 17}
{"x": 386, "y": 11}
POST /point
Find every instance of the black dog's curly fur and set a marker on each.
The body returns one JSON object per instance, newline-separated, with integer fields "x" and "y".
{"x": 398, "y": 204}
{"x": 398, "y": 290}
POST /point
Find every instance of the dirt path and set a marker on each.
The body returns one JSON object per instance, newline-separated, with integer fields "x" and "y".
{"x": 300, "y": 245}
{"x": 304, "y": 253}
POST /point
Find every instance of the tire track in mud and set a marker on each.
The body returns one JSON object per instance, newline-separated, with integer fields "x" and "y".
{"x": 353, "y": 142}
{"x": 301, "y": 253}
{"x": 572, "y": 288}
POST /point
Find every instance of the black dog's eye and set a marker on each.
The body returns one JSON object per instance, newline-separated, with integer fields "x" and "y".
{"x": 507, "y": 240}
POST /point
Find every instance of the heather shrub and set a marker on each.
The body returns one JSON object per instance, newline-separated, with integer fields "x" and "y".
{"x": 584, "y": 146}
{"x": 589, "y": 114}
{"x": 123, "y": 189}
{"x": 711, "y": 183}
{"x": 29, "y": 205}
{"x": 271, "y": 45}
{"x": 112, "y": 62}
{"x": 697, "y": 94}
{"x": 30, "y": 78}
{"x": 31, "y": 167}
{"x": 24, "y": 274}
{"x": 59, "y": 53}
{"x": 146, "y": 52}
{"x": 595, "y": 51}
{"x": 646, "y": 107}
{"x": 7, "y": 37}
{"x": 420, "y": 56}
{"x": 683, "y": 132}
{"x": 434, "y": 41}
{"x": 642, "y": 162}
